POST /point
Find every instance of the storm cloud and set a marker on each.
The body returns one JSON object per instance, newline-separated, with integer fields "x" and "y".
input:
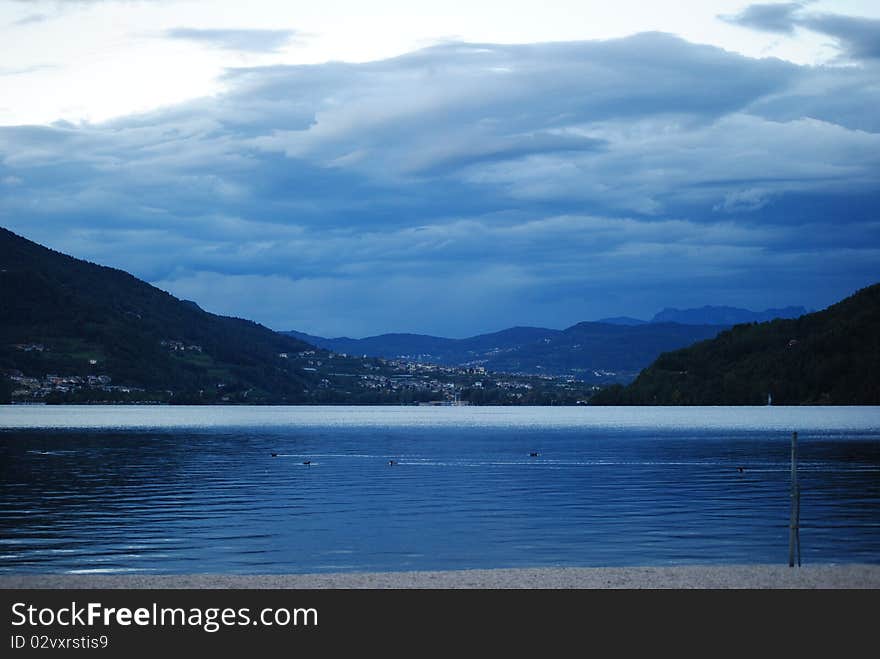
{"x": 468, "y": 187}
{"x": 858, "y": 37}
{"x": 779, "y": 17}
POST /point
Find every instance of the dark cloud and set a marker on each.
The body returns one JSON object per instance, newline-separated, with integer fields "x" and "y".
{"x": 539, "y": 184}
{"x": 257, "y": 41}
{"x": 779, "y": 17}
{"x": 857, "y": 37}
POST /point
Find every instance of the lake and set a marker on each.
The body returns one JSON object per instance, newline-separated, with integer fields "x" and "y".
{"x": 117, "y": 489}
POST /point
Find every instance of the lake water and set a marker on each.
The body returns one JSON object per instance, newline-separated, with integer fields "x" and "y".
{"x": 196, "y": 489}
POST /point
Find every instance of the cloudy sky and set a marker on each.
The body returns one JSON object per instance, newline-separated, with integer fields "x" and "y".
{"x": 351, "y": 168}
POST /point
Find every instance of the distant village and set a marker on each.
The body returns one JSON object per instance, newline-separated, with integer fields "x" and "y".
{"x": 415, "y": 382}
{"x": 35, "y": 388}
{"x": 444, "y": 385}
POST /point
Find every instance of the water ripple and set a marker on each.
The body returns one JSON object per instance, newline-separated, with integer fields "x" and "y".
{"x": 189, "y": 494}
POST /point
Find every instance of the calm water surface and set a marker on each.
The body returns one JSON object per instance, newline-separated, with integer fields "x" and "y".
{"x": 182, "y": 490}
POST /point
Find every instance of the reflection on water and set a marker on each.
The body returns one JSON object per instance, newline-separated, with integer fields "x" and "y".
{"x": 205, "y": 494}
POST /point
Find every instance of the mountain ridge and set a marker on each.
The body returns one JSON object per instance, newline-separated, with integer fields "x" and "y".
{"x": 612, "y": 349}
{"x": 826, "y": 357}
{"x": 592, "y": 351}
{"x": 72, "y": 331}
{"x": 76, "y": 319}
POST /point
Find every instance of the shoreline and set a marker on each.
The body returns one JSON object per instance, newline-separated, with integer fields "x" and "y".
{"x": 849, "y": 576}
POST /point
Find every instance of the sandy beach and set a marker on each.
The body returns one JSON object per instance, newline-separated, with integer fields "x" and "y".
{"x": 676, "y": 577}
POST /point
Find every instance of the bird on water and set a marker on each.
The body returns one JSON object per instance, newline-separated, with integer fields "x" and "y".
{"x": 308, "y": 463}
{"x": 533, "y": 454}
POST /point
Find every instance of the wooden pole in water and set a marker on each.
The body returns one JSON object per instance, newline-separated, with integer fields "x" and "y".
{"x": 797, "y": 526}
{"x": 794, "y": 524}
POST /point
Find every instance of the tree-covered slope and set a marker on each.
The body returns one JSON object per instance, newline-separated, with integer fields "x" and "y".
{"x": 827, "y": 357}
{"x": 69, "y": 317}
{"x": 589, "y": 350}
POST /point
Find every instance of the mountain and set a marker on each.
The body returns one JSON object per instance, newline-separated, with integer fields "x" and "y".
{"x": 709, "y": 315}
{"x": 417, "y": 347}
{"x": 593, "y": 352}
{"x": 73, "y": 331}
{"x": 74, "y": 319}
{"x": 609, "y": 350}
{"x": 600, "y": 352}
{"x": 826, "y": 357}
{"x": 622, "y": 320}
